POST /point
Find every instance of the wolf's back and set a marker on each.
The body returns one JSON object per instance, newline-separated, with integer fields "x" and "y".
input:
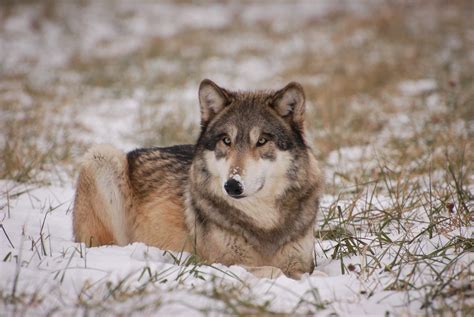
{"x": 159, "y": 169}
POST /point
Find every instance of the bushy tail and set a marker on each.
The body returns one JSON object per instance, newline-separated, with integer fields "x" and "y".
{"x": 103, "y": 198}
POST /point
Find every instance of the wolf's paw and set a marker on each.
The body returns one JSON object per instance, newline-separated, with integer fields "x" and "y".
{"x": 298, "y": 275}
{"x": 270, "y": 272}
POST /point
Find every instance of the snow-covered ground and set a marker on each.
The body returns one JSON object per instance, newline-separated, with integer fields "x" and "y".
{"x": 392, "y": 239}
{"x": 43, "y": 267}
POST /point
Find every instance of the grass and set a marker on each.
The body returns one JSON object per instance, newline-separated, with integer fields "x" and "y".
{"x": 400, "y": 213}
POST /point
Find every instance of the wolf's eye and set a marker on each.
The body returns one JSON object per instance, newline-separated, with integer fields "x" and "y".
{"x": 261, "y": 141}
{"x": 226, "y": 140}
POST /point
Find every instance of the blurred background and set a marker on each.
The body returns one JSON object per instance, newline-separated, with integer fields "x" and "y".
{"x": 384, "y": 79}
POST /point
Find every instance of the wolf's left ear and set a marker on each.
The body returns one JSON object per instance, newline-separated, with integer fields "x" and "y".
{"x": 212, "y": 100}
{"x": 289, "y": 103}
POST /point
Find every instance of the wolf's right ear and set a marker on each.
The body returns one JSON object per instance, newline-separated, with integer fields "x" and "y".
{"x": 212, "y": 100}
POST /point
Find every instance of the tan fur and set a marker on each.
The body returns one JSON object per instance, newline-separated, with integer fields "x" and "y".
{"x": 294, "y": 258}
{"x": 175, "y": 199}
{"x": 160, "y": 223}
{"x": 102, "y": 198}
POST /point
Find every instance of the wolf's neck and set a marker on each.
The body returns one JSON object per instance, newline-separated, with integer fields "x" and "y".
{"x": 263, "y": 212}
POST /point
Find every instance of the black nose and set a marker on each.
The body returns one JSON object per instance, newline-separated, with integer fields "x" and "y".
{"x": 233, "y": 187}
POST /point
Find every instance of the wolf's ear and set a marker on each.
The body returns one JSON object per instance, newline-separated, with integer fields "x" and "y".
{"x": 289, "y": 103}
{"x": 212, "y": 100}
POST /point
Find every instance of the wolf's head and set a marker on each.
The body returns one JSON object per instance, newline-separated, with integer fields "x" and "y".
{"x": 250, "y": 141}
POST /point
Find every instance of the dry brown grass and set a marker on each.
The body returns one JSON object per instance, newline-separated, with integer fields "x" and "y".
{"x": 349, "y": 106}
{"x": 352, "y": 85}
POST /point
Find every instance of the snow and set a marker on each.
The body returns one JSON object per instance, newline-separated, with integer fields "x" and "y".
{"x": 119, "y": 115}
{"x": 417, "y": 87}
{"x": 39, "y": 226}
{"x": 95, "y": 29}
{"x": 42, "y": 257}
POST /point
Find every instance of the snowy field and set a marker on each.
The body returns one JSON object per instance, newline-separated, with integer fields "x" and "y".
{"x": 390, "y": 91}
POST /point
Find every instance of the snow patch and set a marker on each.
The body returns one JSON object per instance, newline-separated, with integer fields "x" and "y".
{"x": 417, "y": 87}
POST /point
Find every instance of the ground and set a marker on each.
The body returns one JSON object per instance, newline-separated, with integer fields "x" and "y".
{"x": 390, "y": 116}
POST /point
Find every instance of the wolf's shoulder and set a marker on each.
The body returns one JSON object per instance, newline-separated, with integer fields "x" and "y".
{"x": 182, "y": 152}
{"x": 158, "y": 161}
{"x": 159, "y": 169}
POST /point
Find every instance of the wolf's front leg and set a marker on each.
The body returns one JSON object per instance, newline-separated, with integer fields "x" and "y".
{"x": 297, "y": 257}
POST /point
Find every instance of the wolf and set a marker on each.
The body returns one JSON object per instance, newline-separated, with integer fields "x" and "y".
{"x": 246, "y": 193}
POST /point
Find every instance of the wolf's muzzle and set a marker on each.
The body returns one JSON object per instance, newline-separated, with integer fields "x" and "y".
{"x": 234, "y": 188}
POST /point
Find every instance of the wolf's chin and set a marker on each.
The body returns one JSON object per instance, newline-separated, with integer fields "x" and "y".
{"x": 237, "y": 197}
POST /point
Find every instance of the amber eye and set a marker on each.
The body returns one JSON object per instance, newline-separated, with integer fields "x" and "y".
{"x": 261, "y": 141}
{"x": 226, "y": 141}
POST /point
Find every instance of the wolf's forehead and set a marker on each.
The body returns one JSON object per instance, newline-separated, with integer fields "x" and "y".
{"x": 247, "y": 111}
{"x": 240, "y": 128}
{"x": 250, "y": 107}
{"x": 253, "y": 96}
{"x": 247, "y": 120}
{"x": 244, "y": 123}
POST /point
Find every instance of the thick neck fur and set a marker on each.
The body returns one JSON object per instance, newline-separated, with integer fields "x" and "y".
{"x": 266, "y": 223}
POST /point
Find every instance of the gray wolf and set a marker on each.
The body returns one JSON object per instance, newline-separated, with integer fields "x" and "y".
{"x": 246, "y": 193}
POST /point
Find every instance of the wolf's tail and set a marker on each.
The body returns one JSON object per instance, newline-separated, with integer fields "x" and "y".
{"x": 103, "y": 198}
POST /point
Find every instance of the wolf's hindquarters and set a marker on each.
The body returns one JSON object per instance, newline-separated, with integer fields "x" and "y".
{"x": 103, "y": 198}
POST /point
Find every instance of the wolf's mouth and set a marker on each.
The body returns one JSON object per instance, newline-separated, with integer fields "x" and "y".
{"x": 238, "y": 196}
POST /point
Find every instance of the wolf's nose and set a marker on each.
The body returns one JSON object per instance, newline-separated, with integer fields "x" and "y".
{"x": 233, "y": 187}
